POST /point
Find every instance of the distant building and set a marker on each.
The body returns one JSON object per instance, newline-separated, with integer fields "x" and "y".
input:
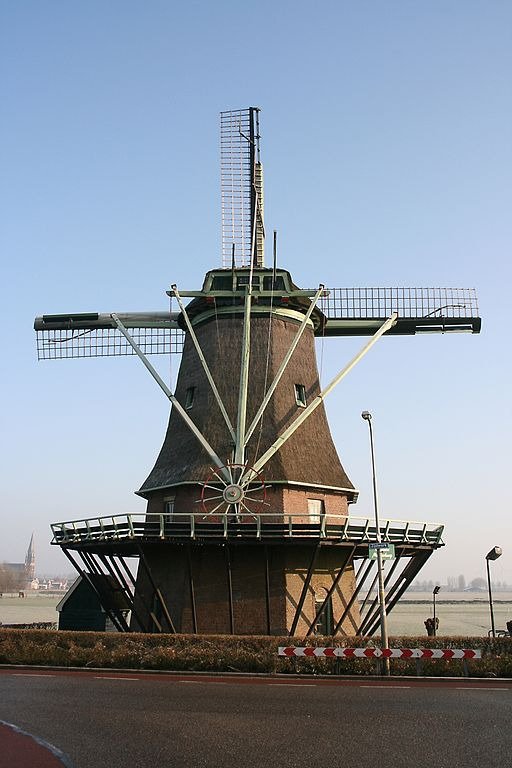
{"x": 20, "y": 576}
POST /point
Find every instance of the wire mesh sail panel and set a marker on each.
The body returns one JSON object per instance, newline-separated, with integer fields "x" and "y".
{"x": 414, "y": 303}
{"x": 106, "y": 342}
{"x": 340, "y": 303}
{"x": 236, "y": 181}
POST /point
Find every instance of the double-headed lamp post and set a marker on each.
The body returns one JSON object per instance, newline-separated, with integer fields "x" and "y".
{"x": 366, "y": 415}
{"x": 492, "y": 555}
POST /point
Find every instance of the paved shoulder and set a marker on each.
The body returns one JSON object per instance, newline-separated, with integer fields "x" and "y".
{"x": 19, "y": 749}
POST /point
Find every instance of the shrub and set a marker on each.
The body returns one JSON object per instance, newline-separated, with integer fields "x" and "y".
{"x": 234, "y": 653}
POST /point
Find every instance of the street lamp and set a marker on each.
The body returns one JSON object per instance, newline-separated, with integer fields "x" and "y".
{"x": 366, "y": 415}
{"x": 492, "y": 555}
{"x": 435, "y": 592}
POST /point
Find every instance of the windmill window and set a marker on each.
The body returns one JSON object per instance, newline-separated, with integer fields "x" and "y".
{"x": 189, "y": 397}
{"x": 243, "y": 280}
{"x": 273, "y": 284}
{"x": 300, "y": 395}
{"x": 169, "y": 506}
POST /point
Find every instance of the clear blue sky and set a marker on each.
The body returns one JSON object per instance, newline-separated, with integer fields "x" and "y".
{"x": 387, "y": 153}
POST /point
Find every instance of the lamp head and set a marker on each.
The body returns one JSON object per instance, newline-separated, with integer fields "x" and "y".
{"x": 436, "y": 590}
{"x": 366, "y": 415}
{"x": 494, "y": 553}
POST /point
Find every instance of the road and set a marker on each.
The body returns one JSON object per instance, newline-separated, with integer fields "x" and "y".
{"x": 111, "y": 720}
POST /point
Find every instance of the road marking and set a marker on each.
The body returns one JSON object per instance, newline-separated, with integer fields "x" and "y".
{"x": 105, "y": 677}
{"x": 190, "y": 681}
{"x": 296, "y": 685}
{"x": 384, "y": 686}
{"x": 479, "y": 688}
{"x": 31, "y": 674}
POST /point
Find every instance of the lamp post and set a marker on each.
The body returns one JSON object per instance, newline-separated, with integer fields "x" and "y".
{"x": 366, "y": 415}
{"x": 435, "y": 592}
{"x": 492, "y": 555}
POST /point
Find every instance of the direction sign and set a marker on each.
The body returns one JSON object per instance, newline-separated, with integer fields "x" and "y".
{"x": 387, "y": 551}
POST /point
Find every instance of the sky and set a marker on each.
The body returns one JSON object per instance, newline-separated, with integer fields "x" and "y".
{"x": 387, "y": 155}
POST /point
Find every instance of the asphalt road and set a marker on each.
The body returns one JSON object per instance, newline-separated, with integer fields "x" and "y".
{"x": 130, "y": 721}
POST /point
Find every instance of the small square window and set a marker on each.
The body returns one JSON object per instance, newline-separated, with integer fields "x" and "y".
{"x": 300, "y": 395}
{"x": 189, "y": 397}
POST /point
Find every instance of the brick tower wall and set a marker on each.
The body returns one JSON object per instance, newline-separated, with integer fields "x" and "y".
{"x": 288, "y": 566}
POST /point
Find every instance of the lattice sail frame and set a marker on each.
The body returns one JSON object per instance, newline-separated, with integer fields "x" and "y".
{"x": 241, "y": 188}
{"x": 348, "y": 311}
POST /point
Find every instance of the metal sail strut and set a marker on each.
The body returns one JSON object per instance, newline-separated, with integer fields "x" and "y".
{"x": 179, "y": 408}
{"x": 204, "y": 363}
{"x": 260, "y": 463}
{"x": 283, "y": 365}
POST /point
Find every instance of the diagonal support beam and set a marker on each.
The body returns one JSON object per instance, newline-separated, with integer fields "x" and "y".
{"x": 179, "y": 408}
{"x": 353, "y": 598}
{"x": 284, "y": 364}
{"x": 260, "y": 463}
{"x": 304, "y": 592}
{"x": 203, "y": 362}
{"x": 244, "y": 378}
{"x": 337, "y": 579}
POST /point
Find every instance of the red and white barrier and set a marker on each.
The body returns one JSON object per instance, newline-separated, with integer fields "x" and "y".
{"x": 381, "y": 653}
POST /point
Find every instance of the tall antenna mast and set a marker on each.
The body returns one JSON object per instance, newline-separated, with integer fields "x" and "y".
{"x": 241, "y": 189}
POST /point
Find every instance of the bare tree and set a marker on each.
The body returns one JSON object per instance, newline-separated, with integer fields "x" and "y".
{"x": 10, "y": 579}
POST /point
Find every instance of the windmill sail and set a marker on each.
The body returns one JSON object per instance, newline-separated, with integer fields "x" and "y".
{"x": 241, "y": 189}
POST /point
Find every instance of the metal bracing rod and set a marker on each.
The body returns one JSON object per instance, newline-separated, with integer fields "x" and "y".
{"x": 179, "y": 408}
{"x": 410, "y": 572}
{"x": 330, "y": 591}
{"x": 230, "y": 591}
{"x": 260, "y": 463}
{"x": 118, "y": 576}
{"x": 156, "y": 590}
{"x": 371, "y": 614}
{"x": 284, "y": 364}
{"x": 192, "y": 591}
{"x": 244, "y": 379}
{"x": 204, "y": 363}
{"x": 374, "y": 617}
{"x": 267, "y": 588}
{"x": 304, "y": 592}
{"x": 86, "y": 576}
{"x": 354, "y": 596}
{"x": 117, "y": 620}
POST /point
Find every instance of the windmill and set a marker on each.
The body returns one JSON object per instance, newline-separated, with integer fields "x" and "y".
{"x": 247, "y": 527}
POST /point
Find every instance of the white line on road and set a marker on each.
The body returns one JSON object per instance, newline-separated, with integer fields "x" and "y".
{"x": 204, "y": 682}
{"x": 30, "y": 674}
{"x": 385, "y": 686}
{"x": 105, "y": 677}
{"x": 479, "y": 688}
{"x": 296, "y": 685}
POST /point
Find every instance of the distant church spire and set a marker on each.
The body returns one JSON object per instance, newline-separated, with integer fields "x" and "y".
{"x": 30, "y": 560}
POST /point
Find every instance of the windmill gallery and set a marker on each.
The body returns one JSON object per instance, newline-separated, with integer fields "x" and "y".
{"x": 247, "y": 527}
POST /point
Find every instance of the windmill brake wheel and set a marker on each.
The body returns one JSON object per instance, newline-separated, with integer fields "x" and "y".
{"x": 234, "y": 497}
